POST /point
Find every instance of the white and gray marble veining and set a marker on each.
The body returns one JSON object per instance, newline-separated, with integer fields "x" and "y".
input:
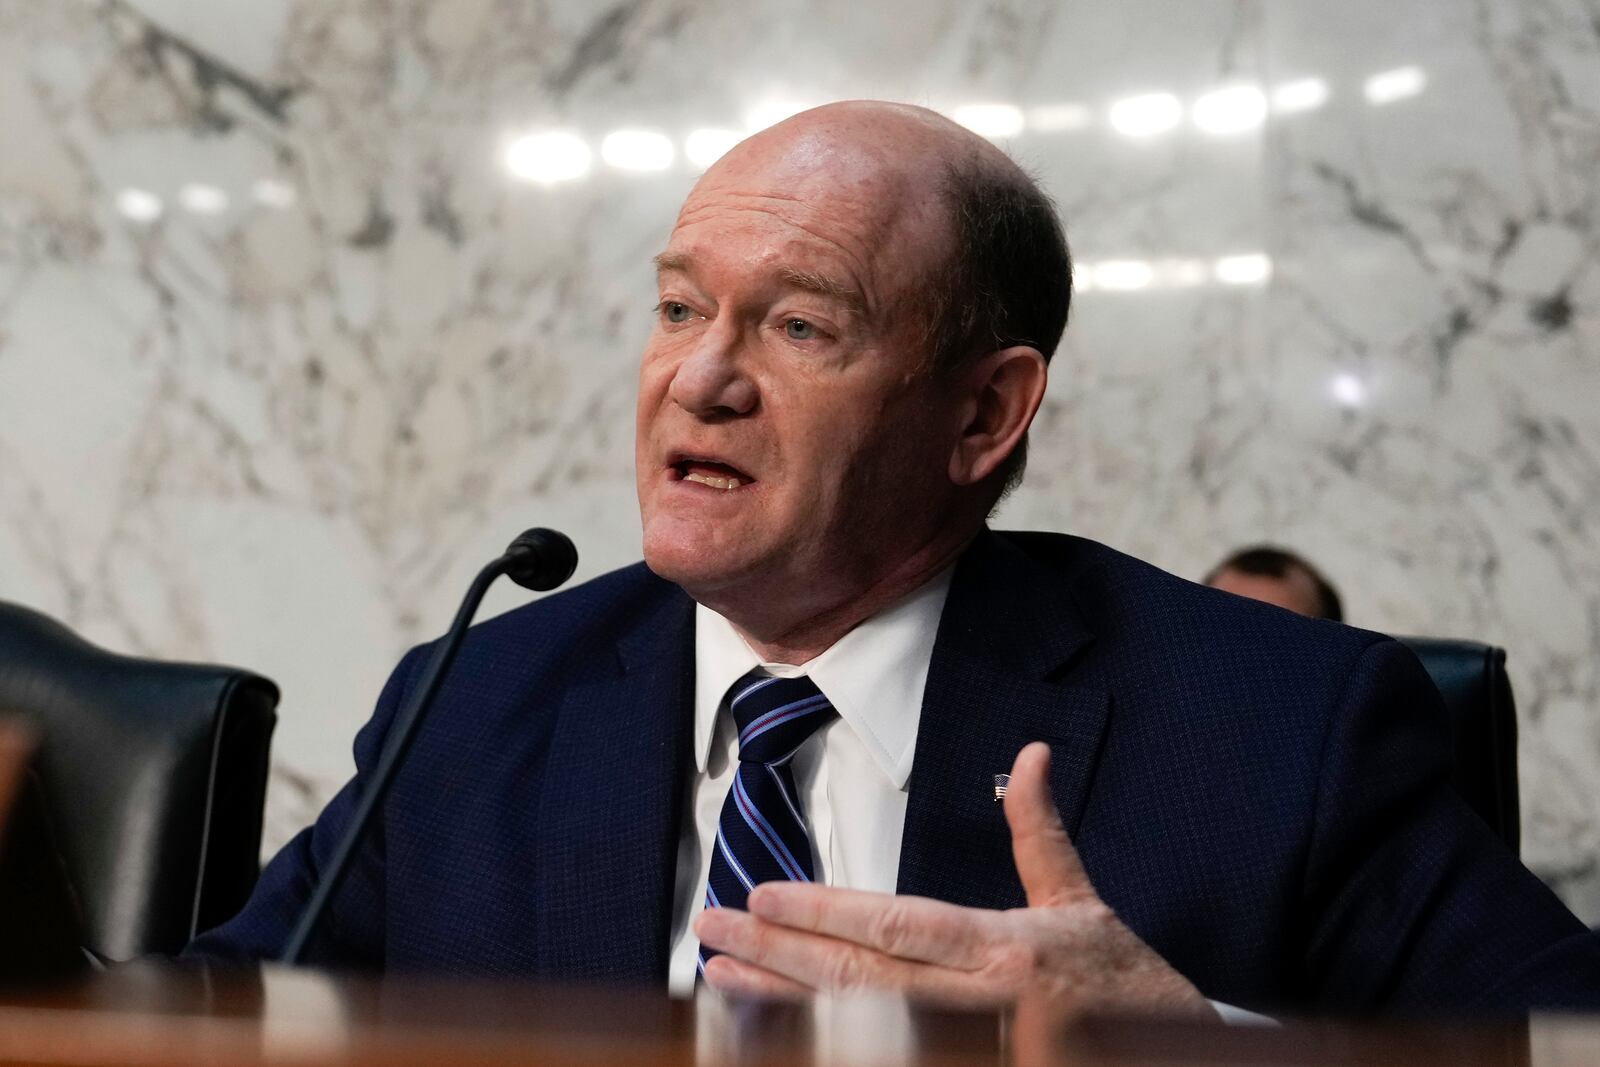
{"x": 284, "y": 350}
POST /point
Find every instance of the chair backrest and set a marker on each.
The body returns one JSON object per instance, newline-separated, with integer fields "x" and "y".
{"x": 1472, "y": 679}
{"x": 152, "y": 777}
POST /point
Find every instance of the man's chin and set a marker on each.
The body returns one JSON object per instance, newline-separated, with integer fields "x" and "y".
{"x": 698, "y": 566}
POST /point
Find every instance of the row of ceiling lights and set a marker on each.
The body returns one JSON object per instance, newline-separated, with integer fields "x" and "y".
{"x": 1134, "y": 275}
{"x": 199, "y": 198}
{"x": 554, "y": 156}
{"x": 549, "y": 157}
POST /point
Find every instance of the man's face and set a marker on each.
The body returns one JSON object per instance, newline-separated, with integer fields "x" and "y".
{"x": 789, "y": 435}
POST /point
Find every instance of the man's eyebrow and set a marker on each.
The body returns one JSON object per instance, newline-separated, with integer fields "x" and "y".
{"x": 672, "y": 261}
{"x": 812, "y": 282}
{"x": 806, "y": 280}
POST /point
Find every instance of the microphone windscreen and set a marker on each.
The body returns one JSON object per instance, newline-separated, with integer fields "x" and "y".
{"x": 541, "y": 559}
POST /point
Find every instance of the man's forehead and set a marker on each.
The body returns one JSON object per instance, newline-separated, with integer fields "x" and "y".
{"x": 847, "y": 155}
{"x": 838, "y": 222}
{"x": 832, "y": 169}
{"x": 813, "y": 200}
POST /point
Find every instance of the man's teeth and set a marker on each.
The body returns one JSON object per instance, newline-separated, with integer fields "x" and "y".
{"x": 715, "y": 481}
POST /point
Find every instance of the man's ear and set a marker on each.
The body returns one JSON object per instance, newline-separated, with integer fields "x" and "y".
{"x": 1004, "y": 390}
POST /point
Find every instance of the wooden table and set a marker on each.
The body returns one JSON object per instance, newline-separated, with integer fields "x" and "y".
{"x": 155, "y": 1015}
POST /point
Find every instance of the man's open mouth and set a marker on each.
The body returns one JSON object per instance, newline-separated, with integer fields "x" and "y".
{"x": 712, "y": 473}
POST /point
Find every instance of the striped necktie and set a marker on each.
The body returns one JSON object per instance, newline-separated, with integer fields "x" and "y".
{"x": 761, "y": 834}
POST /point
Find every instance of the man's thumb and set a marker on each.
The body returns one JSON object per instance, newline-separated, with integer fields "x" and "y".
{"x": 1046, "y": 861}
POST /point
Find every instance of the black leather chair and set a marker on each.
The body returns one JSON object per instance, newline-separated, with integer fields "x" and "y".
{"x": 1472, "y": 679}
{"x": 150, "y": 779}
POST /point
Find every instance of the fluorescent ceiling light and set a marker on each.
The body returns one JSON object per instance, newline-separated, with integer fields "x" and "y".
{"x": 1236, "y": 109}
{"x": 990, "y": 120}
{"x": 139, "y": 205}
{"x": 705, "y": 147}
{"x": 1146, "y": 115}
{"x": 1348, "y": 390}
{"x": 269, "y": 192}
{"x": 1252, "y": 268}
{"x": 547, "y": 158}
{"x": 1123, "y": 274}
{"x": 637, "y": 150}
{"x": 1305, "y": 94}
{"x": 203, "y": 199}
{"x": 1392, "y": 85}
{"x": 1056, "y": 118}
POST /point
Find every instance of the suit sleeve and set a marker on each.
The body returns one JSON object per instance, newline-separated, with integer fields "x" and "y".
{"x": 1411, "y": 903}
{"x": 352, "y": 932}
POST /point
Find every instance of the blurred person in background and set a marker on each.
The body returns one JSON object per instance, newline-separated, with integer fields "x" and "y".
{"x": 1277, "y": 576}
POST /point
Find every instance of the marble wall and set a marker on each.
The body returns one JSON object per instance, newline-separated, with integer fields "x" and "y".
{"x": 297, "y": 324}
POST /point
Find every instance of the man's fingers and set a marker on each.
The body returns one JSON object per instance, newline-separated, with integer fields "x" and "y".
{"x": 831, "y": 965}
{"x": 910, "y": 928}
{"x": 1046, "y": 861}
{"x": 729, "y": 975}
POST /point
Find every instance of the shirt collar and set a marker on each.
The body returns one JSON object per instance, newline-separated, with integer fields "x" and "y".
{"x": 874, "y": 675}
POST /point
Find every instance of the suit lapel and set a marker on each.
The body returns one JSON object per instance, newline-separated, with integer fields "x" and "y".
{"x": 611, "y": 804}
{"x": 995, "y": 683}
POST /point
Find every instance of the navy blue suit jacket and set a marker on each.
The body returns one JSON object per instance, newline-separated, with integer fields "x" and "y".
{"x": 1260, "y": 797}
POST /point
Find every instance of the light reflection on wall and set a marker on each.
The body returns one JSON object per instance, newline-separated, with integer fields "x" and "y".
{"x": 704, "y": 147}
{"x": 548, "y": 157}
{"x": 991, "y": 120}
{"x": 1348, "y": 391}
{"x": 139, "y": 205}
{"x": 1304, "y": 94}
{"x": 1235, "y": 109}
{"x": 1146, "y": 115}
{"x": 269, "y": 192}
{"x": 1393, "y": 85}
{"x": 203, "y": 199}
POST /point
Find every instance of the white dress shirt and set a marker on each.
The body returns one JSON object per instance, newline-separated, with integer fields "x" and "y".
{"x": 874, "y": 676}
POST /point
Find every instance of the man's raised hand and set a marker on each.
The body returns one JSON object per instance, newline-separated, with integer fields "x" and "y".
{"x": 1066, "y": 945}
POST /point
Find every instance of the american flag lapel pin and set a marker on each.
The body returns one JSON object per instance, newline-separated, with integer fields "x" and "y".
{"x": 1000, "y": 783}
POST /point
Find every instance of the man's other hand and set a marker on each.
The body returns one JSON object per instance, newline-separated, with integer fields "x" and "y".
{"x": 1066, "y": 945}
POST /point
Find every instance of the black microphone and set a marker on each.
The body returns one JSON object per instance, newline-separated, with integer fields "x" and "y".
{"x": 538, "y": 559}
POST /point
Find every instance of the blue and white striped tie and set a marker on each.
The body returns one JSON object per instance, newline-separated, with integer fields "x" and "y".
{"x": 761, "y": 835}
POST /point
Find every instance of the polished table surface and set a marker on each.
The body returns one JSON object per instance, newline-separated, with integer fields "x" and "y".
{"x": 162, "y": 1015}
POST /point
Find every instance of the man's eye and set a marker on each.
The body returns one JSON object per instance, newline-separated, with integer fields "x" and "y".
{"x": 799, "y": 330}
{"x": 676, "y": 312}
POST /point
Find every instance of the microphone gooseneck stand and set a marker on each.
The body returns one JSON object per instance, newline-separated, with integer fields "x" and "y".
{"x": 538, "y": 559}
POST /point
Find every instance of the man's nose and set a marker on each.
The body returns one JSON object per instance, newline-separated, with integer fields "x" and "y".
{"x": 712, "y": 380}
